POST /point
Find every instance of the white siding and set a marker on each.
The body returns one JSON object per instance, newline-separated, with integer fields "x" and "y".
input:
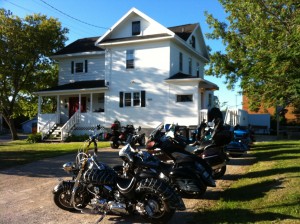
{"x": 96, "y": 69}
{"x": 151, "y": 69}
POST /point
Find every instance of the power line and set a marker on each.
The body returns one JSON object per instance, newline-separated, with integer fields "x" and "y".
{"x": 89, "y": 24}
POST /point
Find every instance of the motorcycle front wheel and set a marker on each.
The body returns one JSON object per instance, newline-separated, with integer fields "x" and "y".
{"x": 142, "y": 141}
{"x": 62, "y": 197}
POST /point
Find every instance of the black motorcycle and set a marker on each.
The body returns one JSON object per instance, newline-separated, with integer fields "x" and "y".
{"x": 95, "y": 188}
{"x": 188, "y": 173}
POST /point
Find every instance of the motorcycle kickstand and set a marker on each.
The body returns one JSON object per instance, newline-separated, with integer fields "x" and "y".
{"x": 101, "y": 218}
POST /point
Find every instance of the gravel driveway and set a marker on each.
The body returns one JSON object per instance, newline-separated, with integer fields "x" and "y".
{"x": 26, "y": 193}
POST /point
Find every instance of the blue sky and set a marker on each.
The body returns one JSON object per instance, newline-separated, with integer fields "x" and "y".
{"x": 89, "y": 18}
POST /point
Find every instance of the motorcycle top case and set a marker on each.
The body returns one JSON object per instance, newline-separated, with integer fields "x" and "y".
{"x": 223, "y": 137}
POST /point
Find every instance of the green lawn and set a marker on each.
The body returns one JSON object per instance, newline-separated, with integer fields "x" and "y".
{"x": 20, "y": 152}
{"x": 268, "y": 192}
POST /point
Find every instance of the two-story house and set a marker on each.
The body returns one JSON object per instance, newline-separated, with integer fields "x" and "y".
{"x": 138, "y": 72}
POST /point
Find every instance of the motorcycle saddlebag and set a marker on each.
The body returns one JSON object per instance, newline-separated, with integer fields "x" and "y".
{"x": 223, "y": 137}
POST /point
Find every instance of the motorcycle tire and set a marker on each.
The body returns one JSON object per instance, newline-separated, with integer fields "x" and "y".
{"x": 62, "y": 197}
{"x": 142, "y": 141}
{"x": 157, "y": 206}
{"x": 114, "y": 143}
{"x": 219, "y": 173}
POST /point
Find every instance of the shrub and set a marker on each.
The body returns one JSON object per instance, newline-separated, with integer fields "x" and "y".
{"x": 34, "y": 138}
{"x": 77, "y": 138}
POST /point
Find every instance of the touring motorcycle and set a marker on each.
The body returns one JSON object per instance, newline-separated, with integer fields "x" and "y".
{"x": 96, "y": 188}
{"x": 188, "y": 173}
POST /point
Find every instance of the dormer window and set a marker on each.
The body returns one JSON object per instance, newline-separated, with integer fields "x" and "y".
{"x": 136, "y": 27}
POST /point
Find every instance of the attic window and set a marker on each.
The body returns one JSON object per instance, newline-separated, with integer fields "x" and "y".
{"x": 136, "y": 27}
{"x": 193, "y": 42}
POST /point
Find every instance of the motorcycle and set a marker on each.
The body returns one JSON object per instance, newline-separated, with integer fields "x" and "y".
{"x": 188, "y": 173}
{"x": 241, "y": 142}
{"x": 95, "y": 188}
{"x": 118, "y": 137}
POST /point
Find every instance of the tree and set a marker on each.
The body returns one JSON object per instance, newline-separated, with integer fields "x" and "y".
{"x": 262, "y": 43}
{"x": 25, "y": 66}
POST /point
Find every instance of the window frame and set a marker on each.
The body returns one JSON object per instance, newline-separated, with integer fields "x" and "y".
{"x": 184, "y": 98}
{"x": 132, "y": 99}
{"x": 130, "y": 59}
{"x": 180, "y": 61}
{"x": 136, "y": 28}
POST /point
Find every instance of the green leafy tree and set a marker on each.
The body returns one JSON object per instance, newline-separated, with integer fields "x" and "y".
{"x": 25, "y": 66}
{"x": 262, "y": 40}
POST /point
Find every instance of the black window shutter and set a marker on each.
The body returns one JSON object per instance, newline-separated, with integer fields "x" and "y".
{"x": 72, "y": 67}
{"x": 143, "y": 98}
{"x": 121, "y": 99}
{"x": 86, "y": 66}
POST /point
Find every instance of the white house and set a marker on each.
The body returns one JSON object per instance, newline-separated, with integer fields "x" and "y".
{"x": 138, "y": 72}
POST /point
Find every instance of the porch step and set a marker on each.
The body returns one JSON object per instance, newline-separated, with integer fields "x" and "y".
{"x": 54, "y": 134}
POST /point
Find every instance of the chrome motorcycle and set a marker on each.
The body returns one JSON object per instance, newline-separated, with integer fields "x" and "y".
{"x": 95, "y": 188}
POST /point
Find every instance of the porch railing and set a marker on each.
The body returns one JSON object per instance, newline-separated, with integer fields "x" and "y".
{"x": 50, "y": 124}
{"x": 69, "y": 125}
{"x": 203, "y": 115}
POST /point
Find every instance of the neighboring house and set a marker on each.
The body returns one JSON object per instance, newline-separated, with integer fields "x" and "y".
{"x": 29, "y": 126}
{"x": 291, "y": 116}
{"x": 138, "y": 72}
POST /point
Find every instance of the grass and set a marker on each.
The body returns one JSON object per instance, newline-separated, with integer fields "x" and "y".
{"x": 268, "y": 192}
{"x": 20, "y": 152}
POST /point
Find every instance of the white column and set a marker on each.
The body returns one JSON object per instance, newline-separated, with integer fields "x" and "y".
{"x": 79, "y": 103}
{"x": 91, "y": 102}
{"x": 58, "y": 109}
{"x": 39, "y": 112}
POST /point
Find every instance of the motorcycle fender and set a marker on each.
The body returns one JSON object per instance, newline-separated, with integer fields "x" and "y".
{"x": 147, "y": 174}
{"x": 63, "y": 184}
{"x": 182, "y": 172}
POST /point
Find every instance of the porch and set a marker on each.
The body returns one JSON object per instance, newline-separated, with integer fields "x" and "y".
{"x": 71, "y": 108}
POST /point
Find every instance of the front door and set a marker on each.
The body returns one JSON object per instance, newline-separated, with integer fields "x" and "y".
{"x": 74, "y": 105}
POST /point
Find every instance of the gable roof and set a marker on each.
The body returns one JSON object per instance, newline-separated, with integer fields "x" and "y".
{"x": 80, "y": 45}
{"x": 184, "y": 31}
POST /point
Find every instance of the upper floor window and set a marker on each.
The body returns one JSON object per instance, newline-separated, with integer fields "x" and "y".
{"x": 190, "y": 66}
{"x": 79, "y": 67}
{"x": 136, "y": 27}
{"x": 184, "y": 98}
{"x": 130, "y": 59}
{"x": 180, "y": 61}
{"x": 198, "y": 70}
{"x": 193, "y": 42}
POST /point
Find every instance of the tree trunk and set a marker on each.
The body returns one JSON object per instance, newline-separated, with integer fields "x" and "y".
{"x": 12, "y": 128}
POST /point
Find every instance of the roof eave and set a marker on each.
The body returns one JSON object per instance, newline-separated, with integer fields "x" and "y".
{"x": 88, "y": 53}
{"x": 69, "y": 91}
{"x": 133, "y": 41}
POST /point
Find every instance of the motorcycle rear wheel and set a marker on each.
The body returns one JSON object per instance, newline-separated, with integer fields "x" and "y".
{"x": 157, "y": 209}
{"x": 114, "y": 143}
{"x": 219, "y": 173}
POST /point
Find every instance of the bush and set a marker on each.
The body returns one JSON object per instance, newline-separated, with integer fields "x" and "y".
{"x": 34, "y": 138}
{"x": 77, "y": 138}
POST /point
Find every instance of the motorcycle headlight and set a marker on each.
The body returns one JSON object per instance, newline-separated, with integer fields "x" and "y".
{"x": 68, "y": 167}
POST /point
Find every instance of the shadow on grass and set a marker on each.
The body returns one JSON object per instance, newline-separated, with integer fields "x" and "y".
{"x": 238, "y": 216}
{"x": 52, "y": 167}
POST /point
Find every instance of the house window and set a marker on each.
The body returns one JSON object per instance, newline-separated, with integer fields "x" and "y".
{"x": 184, "y": 98}
{"x": 136, "y": 99}
{"x": 129, "y": 59}
{"x": 79, "y": 67}
{"x": 136, "y": 28}
{"x": 180, "y": 61}
{"x": 127, "y": 99}
{"x": 193, "y": 42}
{"x": 198, "y": 70}
{"x": 190, "y": 66}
